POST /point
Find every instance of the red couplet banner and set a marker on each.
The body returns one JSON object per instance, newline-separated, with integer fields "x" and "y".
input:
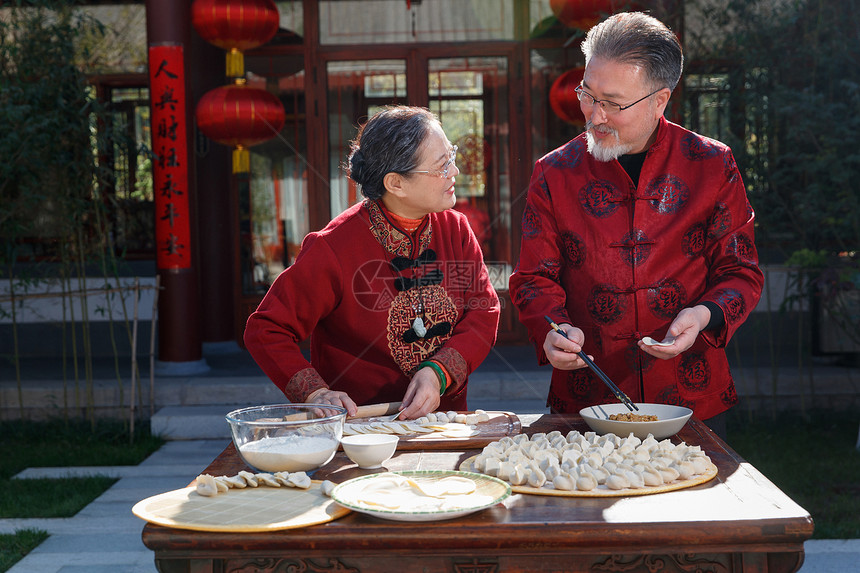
{"x": 170, "y": 161}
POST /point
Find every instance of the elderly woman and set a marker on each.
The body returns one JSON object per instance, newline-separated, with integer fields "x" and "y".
{"x": 393, "y": 293}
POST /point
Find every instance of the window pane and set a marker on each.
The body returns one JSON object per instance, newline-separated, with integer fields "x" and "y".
{"x": 356, "y": 90}
{"x": 470, "y": 96}
{"x": 384, "y": 21}
{"x": 132, "y": 169}
{"x": 707, "y": 98}
{"x": 273, "y": 208}
{"x": 556, "y": 116}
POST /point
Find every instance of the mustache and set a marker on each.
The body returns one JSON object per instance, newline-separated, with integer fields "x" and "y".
{"x": 589, "y": 125}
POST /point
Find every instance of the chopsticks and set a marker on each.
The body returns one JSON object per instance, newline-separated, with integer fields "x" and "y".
{"x": 615, "y": 389}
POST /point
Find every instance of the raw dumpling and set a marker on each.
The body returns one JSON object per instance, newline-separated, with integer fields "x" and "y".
{"x": 536, "y": 477}
{"x": 235, "y": 481}
{"x": 326, "y": 487}
{"x": 300, "y": 480}
{"x": 267, "y": 480}
{"x": 563, "y": 482}
{"x": 586, "y": 482}
{"x": 206, "y": 485}
{"x": 617, "y": 481}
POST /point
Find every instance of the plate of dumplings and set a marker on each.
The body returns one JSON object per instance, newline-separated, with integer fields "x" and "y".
{"x": 590, "y": 465}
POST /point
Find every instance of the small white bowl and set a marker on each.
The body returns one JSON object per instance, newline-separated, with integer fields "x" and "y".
{"x": 369, "y": 451}
{"x": 670, "y": 420}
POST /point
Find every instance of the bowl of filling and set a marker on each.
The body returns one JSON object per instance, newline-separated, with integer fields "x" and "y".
{"x": 659, "y": 420}
{"x": 287, "y": 437}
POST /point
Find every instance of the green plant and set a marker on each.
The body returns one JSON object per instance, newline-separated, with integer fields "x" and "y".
{"x": 56, "y": 225}
{"x": 15, "y": 546}
{"x": 62, "y": 443}
{"x": 58, "y": 443}
{"x": 813, "y": 460}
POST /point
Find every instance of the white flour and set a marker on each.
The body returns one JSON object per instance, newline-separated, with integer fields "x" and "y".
{"x": 289, "y": 453}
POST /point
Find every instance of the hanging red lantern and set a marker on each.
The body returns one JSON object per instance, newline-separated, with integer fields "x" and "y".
{"x": 583, "y": 14}
{"x": 235, "y": 26}
{"x": 563, "y": 99}
{"x": 240, "y": 116}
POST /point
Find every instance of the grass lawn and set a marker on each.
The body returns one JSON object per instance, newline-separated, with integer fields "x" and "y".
{"x": 14, "y": 547}
{"x": 59, "y": 443}
{"x": 814, "y": 461}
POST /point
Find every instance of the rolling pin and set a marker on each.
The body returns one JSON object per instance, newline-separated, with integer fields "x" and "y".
{"x": 368, "y": 411}
{"x": 371, "y": 410}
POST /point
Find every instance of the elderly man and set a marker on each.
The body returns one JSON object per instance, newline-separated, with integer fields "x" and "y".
{"x": 638, "y": 228}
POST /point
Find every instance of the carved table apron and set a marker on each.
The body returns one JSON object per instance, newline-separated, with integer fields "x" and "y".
{"x": 739, "y": 521}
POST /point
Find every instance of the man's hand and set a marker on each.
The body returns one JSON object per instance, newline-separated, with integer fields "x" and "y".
{"x": 684, "y": 329}
{"x": 561, "y": 351}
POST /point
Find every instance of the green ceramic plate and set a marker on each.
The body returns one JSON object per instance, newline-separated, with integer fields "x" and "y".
{"x": 488, "y": 492}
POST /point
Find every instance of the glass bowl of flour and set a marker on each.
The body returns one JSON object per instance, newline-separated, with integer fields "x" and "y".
{"x": 287, "y": 437}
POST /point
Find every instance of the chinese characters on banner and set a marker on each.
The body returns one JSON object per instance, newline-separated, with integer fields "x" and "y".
{"x": 170, "y": 162}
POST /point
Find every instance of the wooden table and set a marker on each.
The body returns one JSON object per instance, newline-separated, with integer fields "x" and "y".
{"x": 738, "y": 521}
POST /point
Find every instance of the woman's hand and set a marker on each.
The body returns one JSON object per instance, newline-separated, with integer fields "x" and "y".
{"x": 422, "y": 395}
{"x": 561, "y": 351}
{"x": 326, "y": 396}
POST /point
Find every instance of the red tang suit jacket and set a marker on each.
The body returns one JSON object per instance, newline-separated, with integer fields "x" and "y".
{"x": 620, "y": 261}
{"x": 343, "y": 292}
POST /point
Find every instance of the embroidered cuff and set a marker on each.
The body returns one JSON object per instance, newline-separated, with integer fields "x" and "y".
{"x": 302, "y": 384}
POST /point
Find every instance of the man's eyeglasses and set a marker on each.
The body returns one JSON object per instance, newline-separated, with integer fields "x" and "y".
{"x": 610, "y": 107}
{"x": 443, "y": 173}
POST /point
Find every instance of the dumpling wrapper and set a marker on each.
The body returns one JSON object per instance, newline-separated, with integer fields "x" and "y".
{"x": 451, "y": 485}
{"x": 393, "y": 491}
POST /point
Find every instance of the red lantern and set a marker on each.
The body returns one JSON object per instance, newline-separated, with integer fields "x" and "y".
{"x": 584, "y": 14}
{"x": 563, "y": 99}
{"x": 236, "y": 26}
{"x": 240, "y": 116}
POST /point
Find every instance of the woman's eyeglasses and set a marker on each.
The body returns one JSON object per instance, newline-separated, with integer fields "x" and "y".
{"x": 443, "y": 173}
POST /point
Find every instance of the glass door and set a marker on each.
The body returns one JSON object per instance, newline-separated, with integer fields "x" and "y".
{"x": 273, "y": 202}
{"x": 470, "y": 96}
{"x": 356, "y": 90}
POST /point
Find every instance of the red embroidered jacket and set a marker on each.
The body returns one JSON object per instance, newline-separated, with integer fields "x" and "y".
{"x": 620, "y": 262}
{"x": 355, "y": 289}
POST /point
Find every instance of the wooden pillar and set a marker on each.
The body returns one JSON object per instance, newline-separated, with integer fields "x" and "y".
{"x": 168, "y": 28}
